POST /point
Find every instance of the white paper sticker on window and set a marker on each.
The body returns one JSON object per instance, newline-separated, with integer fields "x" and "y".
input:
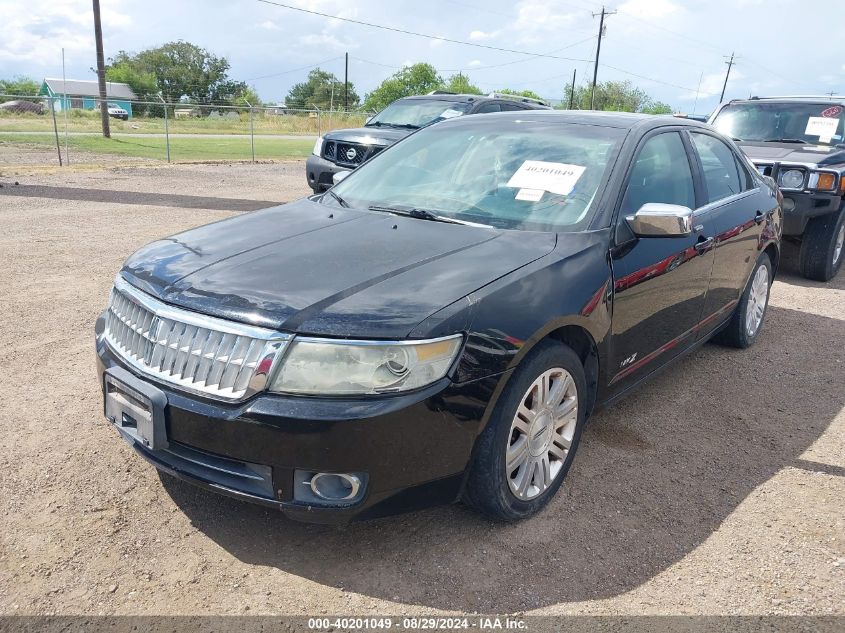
{"x": 822, "y": 127}
{"x": 450, "y": 114}
{"x": 530, "y": 195}
{"x": 559, "y": 178}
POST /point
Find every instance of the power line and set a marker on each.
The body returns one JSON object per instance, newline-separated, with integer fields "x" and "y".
{"x": 416, "y": 34}
{"x": 293, "y": 70}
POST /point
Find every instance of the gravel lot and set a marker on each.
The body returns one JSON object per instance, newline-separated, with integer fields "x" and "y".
{"x": 716, "y": 489}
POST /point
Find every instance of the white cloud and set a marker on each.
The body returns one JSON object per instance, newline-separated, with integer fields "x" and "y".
{"x": 326, "y": 41}
{"x": 269, "y": 25}
{"x": 36, "y": 33}
{"x": 474, "y": 63}
{"x": 478, "y": 36}
{"x": 538, "y": 20}
{"x": 648, "y": 8}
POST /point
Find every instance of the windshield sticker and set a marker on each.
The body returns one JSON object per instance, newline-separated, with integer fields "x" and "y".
{"x": 529, "y": 195}
{"x": 450, "y": 114}
{"x": 559, "y": 178}
{"x": 822, "y": 127}
{"x": 832, "y": 112}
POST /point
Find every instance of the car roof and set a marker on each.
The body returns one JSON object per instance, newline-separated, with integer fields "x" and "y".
{"x": 467, "y": 98}
{"x": 622, "y": 120}
{"x": 812, "y": 99}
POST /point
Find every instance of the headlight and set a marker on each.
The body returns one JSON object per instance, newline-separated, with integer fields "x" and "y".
{"x": 318, "y": 146}
{"x": 791, "y": 179}
{"x": 329, "y": 367}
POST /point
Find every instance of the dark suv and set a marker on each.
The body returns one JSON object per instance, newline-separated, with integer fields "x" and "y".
{"x": 344, "y": 150}
{"x": 800, "y": 143}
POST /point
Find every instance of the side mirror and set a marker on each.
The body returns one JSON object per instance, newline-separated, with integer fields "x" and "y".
{"x": 655, "y": 219}
{"x": 337, "y": 177}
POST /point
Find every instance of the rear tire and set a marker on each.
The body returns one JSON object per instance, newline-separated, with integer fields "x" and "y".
{"x": 822, "y": 249}
{"x": 524, "y": 453}
{"x": 750, "y": 313}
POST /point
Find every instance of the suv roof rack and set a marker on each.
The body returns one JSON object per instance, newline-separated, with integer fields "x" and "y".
{"x": 442, "y": 92}
{"x": 505, "y": 95}
{"x": 826, "y": 97}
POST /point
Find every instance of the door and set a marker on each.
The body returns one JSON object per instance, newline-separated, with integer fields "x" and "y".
{"x": 660, "y": 283}
{"x": 735, "y": 211}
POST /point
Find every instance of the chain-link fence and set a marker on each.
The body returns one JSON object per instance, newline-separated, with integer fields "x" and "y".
{"x": 172, "y": 132}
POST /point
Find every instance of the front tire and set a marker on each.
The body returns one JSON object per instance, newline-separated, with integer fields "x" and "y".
{"x": 823, "y": 246}
{"x": 524, "y": 453}
{"x": 747, "y": 320}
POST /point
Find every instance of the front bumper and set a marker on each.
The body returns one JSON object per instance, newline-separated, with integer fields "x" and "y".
{"x": 414, "y": 448}
{"x": 319, "y": 173}
{"x": 807, "y": 205}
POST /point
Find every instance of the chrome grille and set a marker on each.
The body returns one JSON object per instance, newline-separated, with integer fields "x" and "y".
{"x": 215, "y": 357}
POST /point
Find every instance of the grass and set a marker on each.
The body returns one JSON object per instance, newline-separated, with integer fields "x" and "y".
{"x": 181, "y": 149}
{"x": 85, "y": 121}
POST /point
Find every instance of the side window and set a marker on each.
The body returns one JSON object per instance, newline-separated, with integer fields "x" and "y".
{"x": 722, "y": 174}
{"x": 661, "y": 173}
{"x": 510, "y": 107}
{"x": 491, "y": 106}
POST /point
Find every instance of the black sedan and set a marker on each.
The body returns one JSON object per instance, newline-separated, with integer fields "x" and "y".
{"x": 440, "y": 325}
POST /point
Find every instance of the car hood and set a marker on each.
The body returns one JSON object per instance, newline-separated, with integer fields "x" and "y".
{"x": 369, "y": 135}
{"x": 312, "y": 269}
{"x": 793, "y": 153}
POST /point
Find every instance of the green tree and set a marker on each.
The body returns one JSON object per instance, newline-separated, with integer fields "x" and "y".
{"x": 461, "y": 84}
{"x": 658, "y": 107}
{"x": 19, "y": 85}
{"x": 619, "y": 96}
{"x": 181, "y": 71}
{"x": 520, "y": 93}
{"x": 412, "y": 80}
{"x": 322, "y": 90}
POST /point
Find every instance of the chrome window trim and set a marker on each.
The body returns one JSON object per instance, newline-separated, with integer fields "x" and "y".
{"x": 716, "y": 204}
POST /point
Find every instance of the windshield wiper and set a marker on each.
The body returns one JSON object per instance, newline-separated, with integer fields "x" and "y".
{"x": 409, "y": 126}
{"x": 340, "y": 200}
{"x": 424, "y": 214}
{"x": 785, "y": 140}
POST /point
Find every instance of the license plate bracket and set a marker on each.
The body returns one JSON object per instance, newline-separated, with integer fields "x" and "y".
{"x": 135, "y": 407}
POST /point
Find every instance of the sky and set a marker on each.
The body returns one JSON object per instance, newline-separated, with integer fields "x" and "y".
{"x": 675, "y": 50}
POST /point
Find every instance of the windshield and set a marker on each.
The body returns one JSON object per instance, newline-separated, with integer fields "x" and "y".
{"x": 812, "y": 123}
{"x": 531, "y": 175}
{"x": 418, "y": 112}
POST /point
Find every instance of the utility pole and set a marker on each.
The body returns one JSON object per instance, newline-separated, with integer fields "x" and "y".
{"x": 572, "y": 89}
{"x": 598, "y": 51}
{"x": 101, "y": 71}
{"x": 730, "y": 64}
{"x": 346, "y": 84}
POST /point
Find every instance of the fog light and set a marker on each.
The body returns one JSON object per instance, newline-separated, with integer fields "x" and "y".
{"x": 335, "y": 487}
{"x": 788, "y": 204}
{"x": 319, "y": 488}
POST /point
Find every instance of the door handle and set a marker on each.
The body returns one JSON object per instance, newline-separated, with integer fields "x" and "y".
{"x": 759, "y": 217}
{"x": 703, "y": 245}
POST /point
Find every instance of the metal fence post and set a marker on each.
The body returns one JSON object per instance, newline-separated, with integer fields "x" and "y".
{"x": 251, "y": 130}
{"x": 166, "y": 128}
{"x": 319, "y": 128}
{"x": 55, "y": 129}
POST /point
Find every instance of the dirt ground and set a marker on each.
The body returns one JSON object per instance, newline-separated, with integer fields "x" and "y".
{"x": 716, "y": 489}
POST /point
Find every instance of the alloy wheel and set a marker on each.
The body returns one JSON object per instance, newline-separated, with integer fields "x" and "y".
{"x": 840, "y": 241}
{"x": 757, "y": 300}
{"x": 541, "y": 433}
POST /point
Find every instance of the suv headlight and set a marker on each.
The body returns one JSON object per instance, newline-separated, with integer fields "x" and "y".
{"x": 791, "y": 179}
{"x": 318, "y": 146}
{"x": 336, "y": 367}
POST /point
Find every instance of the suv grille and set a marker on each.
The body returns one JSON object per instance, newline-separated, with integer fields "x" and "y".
{"x": 214, "y": 357}
{"x": 350, "y": 154}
